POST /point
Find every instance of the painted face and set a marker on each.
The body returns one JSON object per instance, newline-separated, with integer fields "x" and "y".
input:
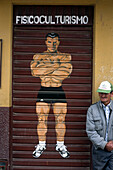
{"x": 105, "y": 98}
{"x": 52, "y": 44}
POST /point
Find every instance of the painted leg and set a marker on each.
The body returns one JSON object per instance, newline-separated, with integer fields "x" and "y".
{"x": 42, "y": 110}
{"x": 60, "y": 110}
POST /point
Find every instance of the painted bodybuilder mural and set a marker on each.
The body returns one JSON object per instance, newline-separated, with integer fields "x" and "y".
{"x": 52, "y": 67}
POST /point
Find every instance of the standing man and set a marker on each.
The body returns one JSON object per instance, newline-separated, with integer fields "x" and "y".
{"x": 52, "y": 67}
{"x": 99, "y": 127}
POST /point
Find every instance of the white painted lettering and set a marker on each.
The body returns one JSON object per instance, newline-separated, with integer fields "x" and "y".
{"x": 78, "y": 19}
{"x": 61, "y": 20}
{"x": 85, "y": 20}
{"x": 30, "y": 19}
{"x": 58, "y": 19}
{"x": 67, "y": 19}
{"x": 24, "y": 19}
{"x": 42, "y": 19}
{"x": 46, "y": 20}
{"x": 17, "y": 19}
{"x": 73, "y": 19}
{"x": 51, "y": 20}
{"x": 36, "y": 19}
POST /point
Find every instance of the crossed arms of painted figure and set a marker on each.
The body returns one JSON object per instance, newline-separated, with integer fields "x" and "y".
{"x": 53, "y": 67}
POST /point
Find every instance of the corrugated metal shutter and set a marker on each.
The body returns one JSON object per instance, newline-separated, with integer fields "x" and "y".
{"x": 27, "y": 41}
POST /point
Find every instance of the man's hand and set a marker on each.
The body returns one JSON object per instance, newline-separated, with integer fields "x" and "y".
{"x": 109, "y": 146}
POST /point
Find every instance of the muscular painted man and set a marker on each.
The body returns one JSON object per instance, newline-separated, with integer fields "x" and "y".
{"x": 52, "y": 67}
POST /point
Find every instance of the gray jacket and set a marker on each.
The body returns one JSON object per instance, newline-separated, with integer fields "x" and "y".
{"x": 96, "y": 125}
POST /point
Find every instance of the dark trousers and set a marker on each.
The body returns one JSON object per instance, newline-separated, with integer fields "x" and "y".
{"x": 102, "y": 160}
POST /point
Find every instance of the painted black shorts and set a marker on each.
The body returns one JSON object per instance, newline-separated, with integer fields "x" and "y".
{"x": 51, "y": 95}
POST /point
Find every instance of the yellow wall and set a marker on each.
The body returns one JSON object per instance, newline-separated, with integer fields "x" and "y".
{"x": 6, "y": 35}
{"x": 103, "y": 41}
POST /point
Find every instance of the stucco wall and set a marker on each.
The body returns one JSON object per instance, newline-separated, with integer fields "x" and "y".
{"x": 103, "y": 43}
{"x": 102, "y": 50}
{"x": 6, "y": 35}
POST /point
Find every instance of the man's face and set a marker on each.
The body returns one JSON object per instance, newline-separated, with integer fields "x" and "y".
{"x": 105, "y": 98}
{"x": 52, "y": 44}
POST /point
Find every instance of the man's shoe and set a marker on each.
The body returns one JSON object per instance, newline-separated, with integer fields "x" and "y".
{"x": 38, "y": 151}
{"x": 63, "y": 151}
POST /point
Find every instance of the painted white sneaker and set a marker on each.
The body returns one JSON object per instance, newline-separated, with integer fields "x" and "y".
{"x": 38, "y": 151}
{"x": 63, "y": 151}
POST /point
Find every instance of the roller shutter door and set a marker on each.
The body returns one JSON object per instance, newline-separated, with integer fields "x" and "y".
{"x": 27, "y": 41}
